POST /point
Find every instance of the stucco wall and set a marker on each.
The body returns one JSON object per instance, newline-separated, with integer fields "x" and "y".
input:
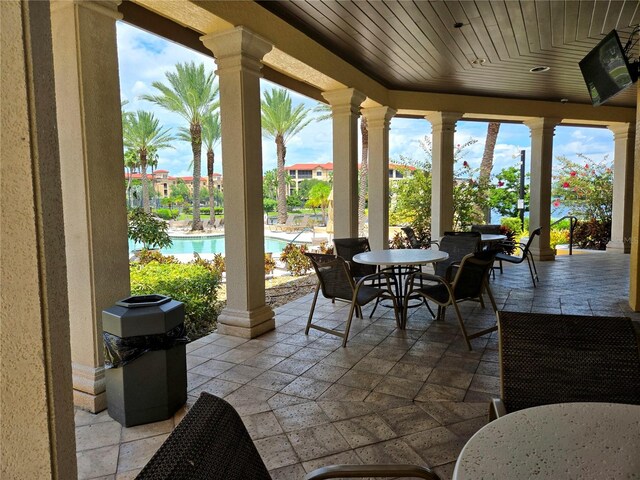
{"x": 36, "y": 408}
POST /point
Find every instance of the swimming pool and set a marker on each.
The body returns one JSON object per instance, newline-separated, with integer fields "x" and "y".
{"x": 212, "y": 244}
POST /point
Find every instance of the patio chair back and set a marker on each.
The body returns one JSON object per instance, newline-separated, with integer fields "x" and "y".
{"x": 487, "y": 229}
{"x": 546, "y": 358}
{"x": 457, "y": 245}
{"x": 347, "y": 248}
{"x": 333, "y": 275}
{"x": 470, "y": 278}
{"x": 411, "y": 236}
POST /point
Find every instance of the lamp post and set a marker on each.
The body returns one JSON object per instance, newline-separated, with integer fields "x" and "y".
{"x": 521, "y": 194}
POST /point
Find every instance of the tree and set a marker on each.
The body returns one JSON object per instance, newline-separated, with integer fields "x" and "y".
{"x": 191, "y": 94}
{"x": 281, "y": 121}
{"x": 319, "y": 197}
{"x": 180, "y": 189}
{"x": 503, "y": 196}
{"x": 270, "y": 183}
{"x": 585, "y": 188}
{"x": 143, "y": 134}
{"x": 210, "y": 138}
{"x": 305, "y": 186}
{"x": 486, "y": 165}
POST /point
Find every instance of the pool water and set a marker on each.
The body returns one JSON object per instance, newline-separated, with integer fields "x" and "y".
{"x": 214, "y": 244}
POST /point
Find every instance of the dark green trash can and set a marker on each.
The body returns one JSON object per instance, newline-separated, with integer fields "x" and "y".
{"x": 145, "y": 359}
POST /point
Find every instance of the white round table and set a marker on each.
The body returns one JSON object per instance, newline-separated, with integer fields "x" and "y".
{"x": 560, "y": 441}
{"x": 492, "y": 237}
{"x": 400, "y": 257}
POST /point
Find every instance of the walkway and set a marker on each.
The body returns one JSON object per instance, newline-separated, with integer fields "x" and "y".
{"x": 391, "y": 396}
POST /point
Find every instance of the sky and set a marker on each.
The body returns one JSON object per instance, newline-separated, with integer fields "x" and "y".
{"x": 144, "y": 58}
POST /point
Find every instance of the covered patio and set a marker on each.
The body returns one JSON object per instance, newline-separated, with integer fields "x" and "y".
{"x": 390, "y": 396}
{"x": 64, "y": 248}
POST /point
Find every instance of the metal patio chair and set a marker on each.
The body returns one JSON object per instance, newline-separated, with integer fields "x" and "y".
{"x": 212, "y": 443}
{"x": 525, "y": 254}
{"x": 466, "y": 280}
{"x": 335, "y": 281}
{"x": 549, "y": 358}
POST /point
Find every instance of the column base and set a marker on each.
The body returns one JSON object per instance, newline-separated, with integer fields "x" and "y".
{"x": 617, "y": 246}
{"x": 89, "y": 387}
{"x": 246, "y": 324}
{"x": 544, "y": 255}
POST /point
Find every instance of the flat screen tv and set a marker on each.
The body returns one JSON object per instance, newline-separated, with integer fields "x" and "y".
{"x": 606, "y": 70}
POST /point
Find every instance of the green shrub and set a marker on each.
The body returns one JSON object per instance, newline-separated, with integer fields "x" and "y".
{"x": 513, "y": 224}
{"x": 563, "y": 225}
{"x": 558, "y": 237}
{"x": 269, "y": 204}
{"x": 192, "y": 284}
{"x": 205, "y": 210}
{"x": 295, "y": 260}
{"x": 166, "y": 214}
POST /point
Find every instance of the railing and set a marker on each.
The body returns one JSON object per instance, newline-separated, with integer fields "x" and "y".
{"x": 305, "y": 229}
{"x": 572, "y": 224}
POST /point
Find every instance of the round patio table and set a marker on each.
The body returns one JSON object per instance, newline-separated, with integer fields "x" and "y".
{"x": 492, "y": 237}
{"x": 401, "y": 261}
{"x": 563, "y": 440}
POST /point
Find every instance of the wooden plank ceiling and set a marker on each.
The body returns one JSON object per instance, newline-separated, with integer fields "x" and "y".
{"x": 415, "y": 45}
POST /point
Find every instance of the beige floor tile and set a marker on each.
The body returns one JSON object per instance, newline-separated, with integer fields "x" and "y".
{"x": 97, "y": 462}
{"x": 374, "y": 365}
{"x": 194, "y": 361}
{"x": 407, "y": 371}
{"x": 344, "y": 393}
{"x": 391, "y": 451}
{"x": 262, "y": 425}
{"x": 339, "y": 410}
{"x": 98, "y": 435}
{"x": 137, "y": 454}
{"x": 318, "y": 441}
{"x": 408, "y": 419}
{"x": 453, "y": 412}
{"x": 264, "y": 361}
{"x": 399, "y": 387}
{"x": 148, "y": 430}
{"x": 280, "y": 400}
{"x": 450, "y": 378}
{"x": 361, "y": 379}
{"x": 83, "y": 417}
{"x": 276, "y": 452}
{"x": 486, "y": 384}
{"x": 306, "y": 387}
{"x": 467, "y": 428}
{"x": 437, "y": 446}
{"x": 272, "y": 380}
{"x": 309, "y": 353}
{"x": 219, "y": 388}
{"x": 240, "y": 374}
{"x": 326, "y": 373}
{"x": 291, "y": 472}
{"x": 130, "y": 475}
{"x": 365, "y": 430}
{"x": 294, "y": 366}
{"x": 211, "y": 368}
{"x": 210, "y": 351}
{"x": 194, "y": 380}
{"x": 432, "y": 391}
{"x": 296, "y": 417}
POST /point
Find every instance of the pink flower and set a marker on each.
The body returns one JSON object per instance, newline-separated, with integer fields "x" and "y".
{"x": 573, "y": 174}
{"x": 465, "y": 164}
{"x": 500, "y": 183}
{"x": 586, "y": 167}
{"x": 593, "y": 172}
{"x": 565, "y": 185}
{"x": 556, "y": 203}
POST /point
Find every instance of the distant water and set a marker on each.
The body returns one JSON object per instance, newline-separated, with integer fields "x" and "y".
{"x": 213, "y": 244}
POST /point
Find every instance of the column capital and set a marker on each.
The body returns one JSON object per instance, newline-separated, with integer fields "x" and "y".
{"x": 378, "y": 116}
{"x": 622, "y": 130}
{"x": 236, "y": 49}
{"x": 344, "y": 101}
{"x": 542, "y": 123}
{"x": 108, "y": 8}
{"x": 443, "y": 119}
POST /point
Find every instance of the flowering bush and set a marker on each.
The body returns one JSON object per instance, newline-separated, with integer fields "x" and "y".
{"x": 585, "y": 188}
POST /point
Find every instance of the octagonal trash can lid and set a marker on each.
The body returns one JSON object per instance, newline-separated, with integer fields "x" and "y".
{"x": 138, "y": 301}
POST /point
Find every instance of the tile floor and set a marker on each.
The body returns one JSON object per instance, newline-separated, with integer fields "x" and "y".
{"x": 391, "y": 396}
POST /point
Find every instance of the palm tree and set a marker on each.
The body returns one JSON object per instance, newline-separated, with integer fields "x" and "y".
{"x": 191, "y": 94}
{"x": 143, "y": 134}
{"x": 281, "y": 121}
{"x": 486, "y": 165}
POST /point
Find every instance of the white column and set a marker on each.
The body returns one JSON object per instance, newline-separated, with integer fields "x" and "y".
{"x": 238, "y": 54}
{"x": 542, "y": 131}
{"x": 623, "y": 135}
{"x": 345, "y": 107}
{"x": 36, "y": 405}
{"x": 92, "y": 166}
{"x": 443, "y": 127}
{"x": 378, "y": 119}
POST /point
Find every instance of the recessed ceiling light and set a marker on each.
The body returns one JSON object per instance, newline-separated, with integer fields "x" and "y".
{"x": 479, "y": 61}
{"x": 540, "y": 68}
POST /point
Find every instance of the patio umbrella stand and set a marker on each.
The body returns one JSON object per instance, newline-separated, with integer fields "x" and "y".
{"x": 145, "y": 359}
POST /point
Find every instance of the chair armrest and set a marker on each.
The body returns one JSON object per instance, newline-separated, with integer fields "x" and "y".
{"x": 496, "y": 409}
{"x": 361, "y": 471}
{"x": 424, "y": 276}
